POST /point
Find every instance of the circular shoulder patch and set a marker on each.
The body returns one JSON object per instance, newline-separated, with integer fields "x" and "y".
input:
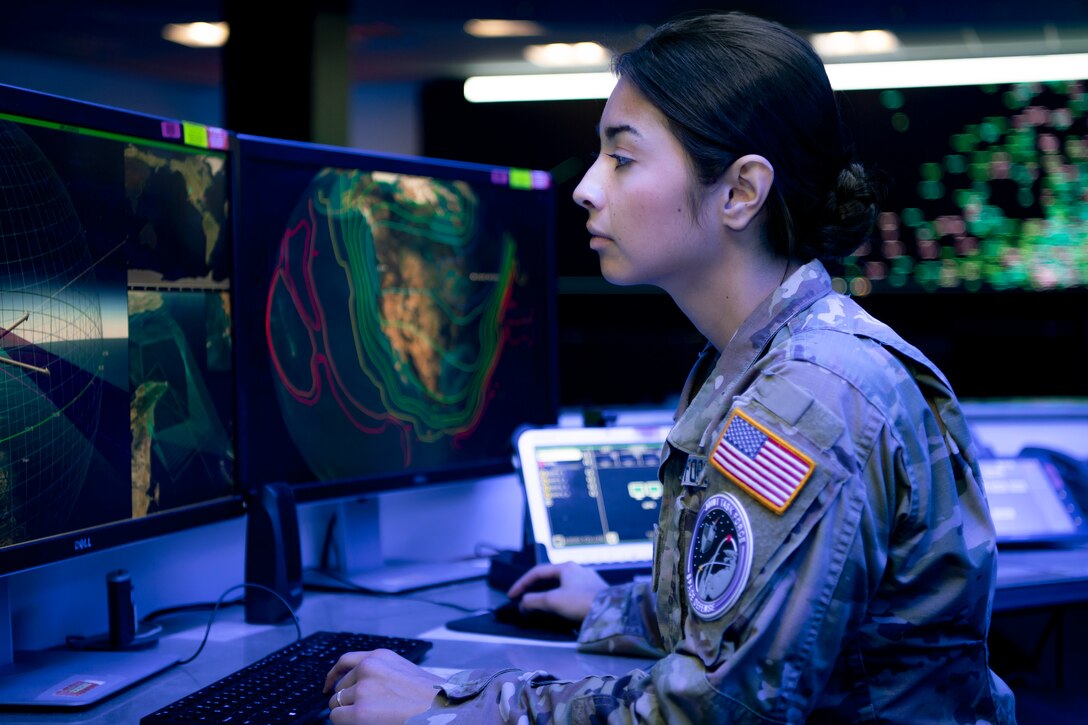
{"x": 720, "y": 557}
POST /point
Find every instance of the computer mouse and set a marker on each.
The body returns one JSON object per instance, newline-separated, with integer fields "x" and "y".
{"x": 541, "y": 585}
{"x": 510, "y": 612}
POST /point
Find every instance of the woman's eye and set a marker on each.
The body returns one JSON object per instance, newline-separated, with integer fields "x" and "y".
{"x": 621, "y": 161}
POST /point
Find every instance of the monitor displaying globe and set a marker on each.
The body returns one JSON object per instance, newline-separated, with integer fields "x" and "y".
{"x": 396, "y": 320}
{"x": 116, "y": 361}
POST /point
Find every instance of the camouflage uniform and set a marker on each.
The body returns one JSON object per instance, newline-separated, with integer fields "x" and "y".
{"x": 865, "y": 597}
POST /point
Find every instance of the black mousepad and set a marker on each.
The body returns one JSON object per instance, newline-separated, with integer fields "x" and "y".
{"x": 486, "y": 623}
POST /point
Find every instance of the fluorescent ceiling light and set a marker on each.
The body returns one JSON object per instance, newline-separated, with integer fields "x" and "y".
{"x": 846, "y": 43}
{"x": 958, "y": 71}
{"x": 197, "y": 35}
{"x": 843, "y": 76}
{"x": 540, "y": 87}
{"x": 502, "y": 28}
{"x": 559, "y": 55}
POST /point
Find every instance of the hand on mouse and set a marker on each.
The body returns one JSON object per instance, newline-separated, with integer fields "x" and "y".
{"x": 571, "y": 591}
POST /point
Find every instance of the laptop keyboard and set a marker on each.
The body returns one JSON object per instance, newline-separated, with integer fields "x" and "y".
{"x": 284, "y": 687}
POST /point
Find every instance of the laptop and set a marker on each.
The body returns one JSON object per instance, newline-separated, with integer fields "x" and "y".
{"x": 593, "y": 495}
{"x": 1031, "y": 504}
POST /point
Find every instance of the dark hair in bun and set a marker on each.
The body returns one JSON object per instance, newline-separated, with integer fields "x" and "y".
{"x": 730, "y": 84}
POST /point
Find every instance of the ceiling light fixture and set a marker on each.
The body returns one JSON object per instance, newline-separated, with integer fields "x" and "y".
{"x": 843, "y": 76}
{"x": 560, "y": 55}
{"x": 197, "y": 35}
{"x": 957, "y": 71}
{"x": 539, "y": 87}
{"x": 503, "y": 28}
{"x": 847, "y": 43}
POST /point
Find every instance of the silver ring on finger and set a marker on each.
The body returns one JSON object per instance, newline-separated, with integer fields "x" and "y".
{"x": 339, "y": 702}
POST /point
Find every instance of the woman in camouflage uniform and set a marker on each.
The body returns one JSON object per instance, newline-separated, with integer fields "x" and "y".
{"x": 825, "y": 551}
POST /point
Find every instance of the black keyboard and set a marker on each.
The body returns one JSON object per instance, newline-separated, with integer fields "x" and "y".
{"x": 284, "y": 687}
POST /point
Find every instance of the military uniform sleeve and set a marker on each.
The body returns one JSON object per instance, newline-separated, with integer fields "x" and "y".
{"x": 801, "y": 466}
{"x": 676, "y": 690}
{"x": 680, "y": 688}
{"x": 622, "y": 621}
{"x": 864, "y": 594}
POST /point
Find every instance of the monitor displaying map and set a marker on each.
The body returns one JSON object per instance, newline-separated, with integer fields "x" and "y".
{"x": 116, "y": 362}
{"x": 396, "y": 323}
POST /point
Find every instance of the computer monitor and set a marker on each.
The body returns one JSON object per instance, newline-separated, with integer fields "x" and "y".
{"x": 396, "y": 322}
{"x": 1031, "y": 504}
{"x": 116, "y": 360}
{"x": 980, "y": 256}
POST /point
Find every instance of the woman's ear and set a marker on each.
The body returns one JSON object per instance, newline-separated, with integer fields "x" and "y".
{"x": 745, "y": 188}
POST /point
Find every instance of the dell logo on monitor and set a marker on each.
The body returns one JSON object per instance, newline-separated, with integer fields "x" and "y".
{"x": 83, "y": 544}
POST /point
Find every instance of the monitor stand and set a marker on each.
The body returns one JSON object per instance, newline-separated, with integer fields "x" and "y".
{"x": 62, "y": 678}
{"x": 360, "y": 565}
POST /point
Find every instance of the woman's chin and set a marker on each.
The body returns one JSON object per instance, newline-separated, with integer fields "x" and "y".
{"x": 616, "y": 274}
{"x": 618, "y": 278}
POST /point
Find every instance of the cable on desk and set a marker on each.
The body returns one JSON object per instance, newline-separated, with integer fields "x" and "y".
{"x": 187, "y": 608}
{"x": 219, "y": 602}
{"x": 327, "y": 544}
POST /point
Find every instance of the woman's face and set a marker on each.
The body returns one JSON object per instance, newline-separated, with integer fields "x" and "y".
{"x": 639, "y": 197}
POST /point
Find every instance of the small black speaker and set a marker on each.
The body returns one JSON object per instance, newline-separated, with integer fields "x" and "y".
{"x": 273, "y": 555}
{"x": 122, "y": 612}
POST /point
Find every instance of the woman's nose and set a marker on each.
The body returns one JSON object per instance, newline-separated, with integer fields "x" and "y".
{"x": 587, "y": 193}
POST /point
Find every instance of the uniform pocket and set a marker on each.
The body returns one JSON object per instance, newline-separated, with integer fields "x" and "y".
{"x": 672, "y": 607}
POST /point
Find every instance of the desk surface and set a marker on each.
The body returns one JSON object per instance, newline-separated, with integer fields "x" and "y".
{"x": 233, "y": 644}
{"x": 1030, "y": 578}
{"x": 1026, "y": 579}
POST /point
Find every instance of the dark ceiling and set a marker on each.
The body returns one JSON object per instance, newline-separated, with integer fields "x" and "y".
{"x": 413, "y": 40}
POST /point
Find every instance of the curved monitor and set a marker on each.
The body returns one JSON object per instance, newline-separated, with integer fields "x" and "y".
{"x": 396, "y": 318}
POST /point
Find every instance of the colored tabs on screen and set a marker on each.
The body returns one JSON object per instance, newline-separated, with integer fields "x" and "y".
{"x": 196, "y": 134}
{"x": 521, "y": 178}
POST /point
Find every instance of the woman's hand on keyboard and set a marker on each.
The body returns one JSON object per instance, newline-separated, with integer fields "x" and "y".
{"x": 378, "y": 687}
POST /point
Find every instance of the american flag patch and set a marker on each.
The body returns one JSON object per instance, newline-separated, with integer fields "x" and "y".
{"x": 760, "y": 462}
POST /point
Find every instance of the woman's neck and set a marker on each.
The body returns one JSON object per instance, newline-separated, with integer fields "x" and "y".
{"x": 727, "y": 296}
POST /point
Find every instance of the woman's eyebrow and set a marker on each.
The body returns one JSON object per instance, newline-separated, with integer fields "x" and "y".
{"x": 611, "y": 132}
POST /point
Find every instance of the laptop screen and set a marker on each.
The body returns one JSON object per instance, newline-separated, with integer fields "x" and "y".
{"x": 593, "y": 493}
{"x": 1030, "y": 503}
